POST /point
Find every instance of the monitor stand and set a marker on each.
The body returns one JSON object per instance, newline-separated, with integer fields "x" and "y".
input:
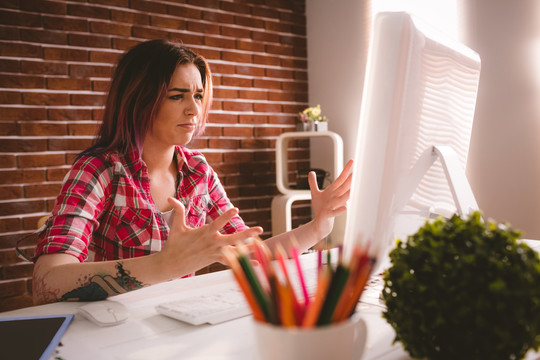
{"x": 406, "y": 219}
{"x": 455, "y": 175}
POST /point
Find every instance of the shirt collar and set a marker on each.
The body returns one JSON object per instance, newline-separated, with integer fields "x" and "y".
{"x": 183, "y": 160}
{"x": 134, "y": 161}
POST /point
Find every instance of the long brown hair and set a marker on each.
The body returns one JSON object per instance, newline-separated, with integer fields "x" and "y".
{"x": 138, "y": 86}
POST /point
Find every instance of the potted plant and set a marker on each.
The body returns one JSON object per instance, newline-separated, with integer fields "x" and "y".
{"x": 311, "y": 119}
{"x": 464, "y": 289}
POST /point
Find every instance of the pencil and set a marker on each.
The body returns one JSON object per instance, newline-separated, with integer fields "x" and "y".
{"x": 261, "y": 257}
{"x": 265, "y": 257}
{"x": 314, "y": 308}
{"x": 346, "y": 298}
{"x": 360, "y": 270}
{"x": 274, "y": 295}
{"x": 272, "y": 280}
{"x": 260, "y": 296}
{"x": 334, "y": 292}
{"x": 362, "y": 275}
{"x": 298, "y": 311}
{"x": 294, "y": 253}
{"x": 242, "y": 282}
{"x": 286, "y": 310}
{"x": 361, "y": 283}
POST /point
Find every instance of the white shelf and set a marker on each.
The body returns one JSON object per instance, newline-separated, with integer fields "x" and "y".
{"x": 282, "y": 181}
{"x": 282, "y": 204}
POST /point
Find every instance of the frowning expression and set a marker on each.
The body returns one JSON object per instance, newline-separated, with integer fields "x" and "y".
{"x": 177, "y": 117}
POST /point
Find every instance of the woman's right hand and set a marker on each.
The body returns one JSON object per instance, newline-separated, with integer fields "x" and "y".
{"x": 189, "y": 249}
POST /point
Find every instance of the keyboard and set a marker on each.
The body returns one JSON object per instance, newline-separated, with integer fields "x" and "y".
{"x": 227, "y": 302}
{"x": 208, "y": 308}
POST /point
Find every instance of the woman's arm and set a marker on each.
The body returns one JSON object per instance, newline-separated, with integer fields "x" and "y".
{"x": 326, "y": 205}
{"x": 61, "y": 277}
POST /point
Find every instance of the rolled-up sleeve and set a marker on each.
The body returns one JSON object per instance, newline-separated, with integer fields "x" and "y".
{"x": 77, "y": 209}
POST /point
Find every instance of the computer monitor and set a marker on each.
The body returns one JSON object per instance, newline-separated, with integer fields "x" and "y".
{"x": 413, "y": 135}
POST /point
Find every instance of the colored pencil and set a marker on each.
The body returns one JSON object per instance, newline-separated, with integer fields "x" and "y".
{"x": 298, "y": 310}
{"x": 260, "y": 296}
{"x": 264, "y": 257}
{"x": 294, "y": 253}
{"x": 286, "y": 308}
{"x": 335, "y": 289}
{"x": 314, "y": 308}
{"x": 261, "y": 257}
{"x": 270, "y": 293}
{"x": 242, "y": 282}
{"x": 347, "y": 297}
{"x": 361, "y": 284}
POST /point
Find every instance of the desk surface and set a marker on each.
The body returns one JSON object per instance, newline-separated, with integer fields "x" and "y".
{"x": 149, "y": 335}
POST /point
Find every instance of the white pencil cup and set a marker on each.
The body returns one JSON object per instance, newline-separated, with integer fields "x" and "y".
{"x": 345, "y": 341}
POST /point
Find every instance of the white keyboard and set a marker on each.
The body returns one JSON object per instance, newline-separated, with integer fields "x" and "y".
{"x": 211, "y": 308}
{"x": 227, "y": 302}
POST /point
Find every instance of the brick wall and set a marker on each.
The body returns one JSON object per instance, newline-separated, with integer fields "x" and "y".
{"x": 56, "y": 59}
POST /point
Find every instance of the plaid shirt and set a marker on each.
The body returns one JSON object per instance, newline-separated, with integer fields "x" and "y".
{"x": 105, "y": 211}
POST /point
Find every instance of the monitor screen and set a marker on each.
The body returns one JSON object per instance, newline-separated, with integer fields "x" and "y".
{"x": 414, "y": 131}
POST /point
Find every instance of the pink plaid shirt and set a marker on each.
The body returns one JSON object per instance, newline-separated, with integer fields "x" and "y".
{"x": 105, "y": 211}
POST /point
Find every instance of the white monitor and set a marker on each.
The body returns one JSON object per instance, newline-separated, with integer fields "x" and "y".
{"x": 414, "y": 132}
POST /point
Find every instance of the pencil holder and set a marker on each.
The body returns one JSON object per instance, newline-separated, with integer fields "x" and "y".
{"x": 344, "y": 340}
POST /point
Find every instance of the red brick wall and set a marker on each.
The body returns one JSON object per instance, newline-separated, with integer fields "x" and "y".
{"x": 56, "y": 59}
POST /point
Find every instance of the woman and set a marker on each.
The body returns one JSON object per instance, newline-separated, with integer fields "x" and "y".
{"x": 132, "y": 210}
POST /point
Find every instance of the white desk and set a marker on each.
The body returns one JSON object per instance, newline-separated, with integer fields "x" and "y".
{"x": 149, "y": 335}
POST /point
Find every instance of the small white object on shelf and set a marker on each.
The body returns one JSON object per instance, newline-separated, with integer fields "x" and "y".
{"x": 312, "y": 126}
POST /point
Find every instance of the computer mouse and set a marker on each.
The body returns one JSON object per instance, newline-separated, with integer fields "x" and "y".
{"x": 105, "y": 313}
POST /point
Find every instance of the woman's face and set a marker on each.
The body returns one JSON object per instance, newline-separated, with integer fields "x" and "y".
{"x": 177, "y": 116}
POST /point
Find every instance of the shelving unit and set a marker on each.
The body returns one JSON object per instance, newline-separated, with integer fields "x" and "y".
{"x": 282, "y": 204}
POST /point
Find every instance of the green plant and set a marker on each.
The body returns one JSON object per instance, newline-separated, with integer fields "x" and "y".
{"x": 464, "y": 289}
{"x": 312, "y": 114}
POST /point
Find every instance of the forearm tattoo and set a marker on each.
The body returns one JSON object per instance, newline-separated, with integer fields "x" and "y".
{"x": 99, "y": 287}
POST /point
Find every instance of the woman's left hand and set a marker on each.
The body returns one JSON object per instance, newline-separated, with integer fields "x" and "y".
{"x": 331, "y": 201}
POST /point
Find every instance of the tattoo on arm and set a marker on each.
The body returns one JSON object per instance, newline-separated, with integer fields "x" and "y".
{"x": 99, "y": 287}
